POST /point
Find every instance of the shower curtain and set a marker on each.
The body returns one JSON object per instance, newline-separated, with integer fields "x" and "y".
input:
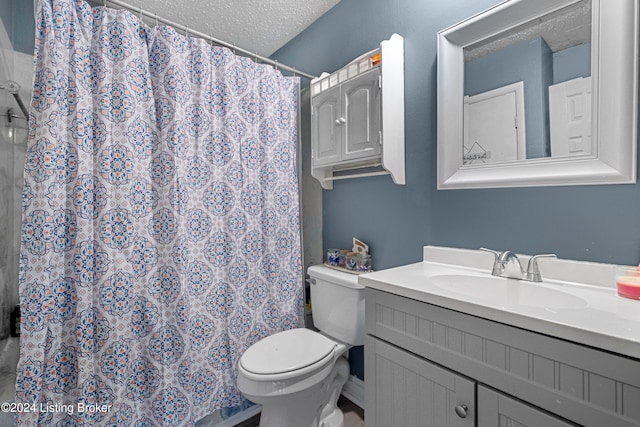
{"x": 160, "y": 226}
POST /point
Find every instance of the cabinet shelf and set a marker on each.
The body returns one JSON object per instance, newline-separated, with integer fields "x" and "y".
{"x": 357, "y": 117}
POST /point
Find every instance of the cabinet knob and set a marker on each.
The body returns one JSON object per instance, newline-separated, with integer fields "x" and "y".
{"x": 462, "y": 410}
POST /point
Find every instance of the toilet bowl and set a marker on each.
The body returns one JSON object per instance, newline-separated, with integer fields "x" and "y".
{"x": 297, "y": 375}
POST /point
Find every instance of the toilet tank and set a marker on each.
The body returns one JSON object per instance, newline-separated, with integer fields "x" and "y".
{"x": 337, "y": 301}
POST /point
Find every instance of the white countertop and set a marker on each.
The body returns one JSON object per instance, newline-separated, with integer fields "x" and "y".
{"x": 604, "y": 320}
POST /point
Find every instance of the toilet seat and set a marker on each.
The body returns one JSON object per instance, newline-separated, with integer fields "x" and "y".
{"x": 287, "y": 354}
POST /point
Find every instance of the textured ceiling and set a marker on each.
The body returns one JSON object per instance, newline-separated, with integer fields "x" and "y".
{"x": 562, "y": 29}
{"x": 260, "y": 26}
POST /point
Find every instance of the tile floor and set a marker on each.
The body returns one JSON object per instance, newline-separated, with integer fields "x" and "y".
{"x": 353, "y": 415}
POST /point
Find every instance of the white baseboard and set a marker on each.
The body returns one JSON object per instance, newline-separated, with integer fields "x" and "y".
{"x": 354, "y": 390}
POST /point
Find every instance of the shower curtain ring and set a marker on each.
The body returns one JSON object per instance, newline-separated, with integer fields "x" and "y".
{"x": 104, "y": 3}
{"x": 186, "y": 31}
{"x": 156, "y": 19}
{"x": 276, "y": 65}
{"x": 140, "y": 16}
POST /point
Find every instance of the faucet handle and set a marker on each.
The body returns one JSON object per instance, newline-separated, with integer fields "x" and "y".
{"x": 533, "y": 271}
{"x": 495, "y": 253}
{"x": 496, "y": 270}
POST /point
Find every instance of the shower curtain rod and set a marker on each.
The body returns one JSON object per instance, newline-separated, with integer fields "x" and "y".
{"x": 185, "y": 29}
{"x": 14, "y": 89}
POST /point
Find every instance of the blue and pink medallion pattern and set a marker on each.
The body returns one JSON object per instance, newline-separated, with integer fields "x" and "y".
{"x": 160, "y": 228}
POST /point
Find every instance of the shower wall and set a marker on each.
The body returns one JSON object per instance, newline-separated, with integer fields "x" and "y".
{"x": 13, "y": 134}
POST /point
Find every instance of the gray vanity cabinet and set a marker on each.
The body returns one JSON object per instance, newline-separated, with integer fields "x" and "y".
{"x": 345, "y": 121}
{"x": 411, "y": 391}
{"x": 424, "y": 361}
{"x": 498, "y": 410}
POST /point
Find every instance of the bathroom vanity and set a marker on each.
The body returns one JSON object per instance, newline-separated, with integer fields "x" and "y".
{"x": 448, "y": 344}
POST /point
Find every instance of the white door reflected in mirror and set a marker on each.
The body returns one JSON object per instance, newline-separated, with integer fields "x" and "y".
{"x": 570, "y": 117}
{"x": 494, "y": 126}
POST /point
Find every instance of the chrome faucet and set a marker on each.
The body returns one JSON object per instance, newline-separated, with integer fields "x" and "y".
{"x": 508, "y": 265}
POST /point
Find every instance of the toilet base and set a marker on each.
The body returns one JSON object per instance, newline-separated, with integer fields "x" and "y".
{"x": 313, "y": 407}
{"x": 333, "y": 419}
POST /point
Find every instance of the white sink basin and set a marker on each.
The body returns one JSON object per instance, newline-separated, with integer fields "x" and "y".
{"x": 577, "y": 301}
{"x": 507, "y": 292}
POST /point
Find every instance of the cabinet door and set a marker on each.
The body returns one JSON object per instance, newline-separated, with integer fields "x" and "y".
{"x": 498, "y": 410}
{"x": 403, "y": 390}
{"x": 326, "y": 129}
{"x": 360, "y": 119}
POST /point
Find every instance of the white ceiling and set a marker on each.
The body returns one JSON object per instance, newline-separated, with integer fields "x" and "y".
{"x": 259, "y": 26}
{"x": 564, "y": 28}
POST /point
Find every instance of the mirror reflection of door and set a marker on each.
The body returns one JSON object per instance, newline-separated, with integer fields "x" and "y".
{"x": 494, "y": 126}
{"x": 570, "y": 117}
{"x": 546, "y": 51}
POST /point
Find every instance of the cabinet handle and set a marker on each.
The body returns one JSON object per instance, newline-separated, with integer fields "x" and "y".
{"x": 461, "y": 411}
{"x": 341, "y": 121}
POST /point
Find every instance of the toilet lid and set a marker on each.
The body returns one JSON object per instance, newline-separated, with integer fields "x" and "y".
{"x": 286, "y": 351}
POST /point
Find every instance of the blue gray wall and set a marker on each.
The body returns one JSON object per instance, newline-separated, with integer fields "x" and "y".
{"x": 593, "y": 223}
{"x": 531, "y": 62}
{"x": 17, "y": 17}
{"x": 572, "y": 63}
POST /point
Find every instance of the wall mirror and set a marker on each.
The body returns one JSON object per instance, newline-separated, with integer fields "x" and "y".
{"x": 539, "y": 92}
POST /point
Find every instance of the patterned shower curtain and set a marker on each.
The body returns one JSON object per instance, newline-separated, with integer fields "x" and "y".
{"x": 160, "y": 227}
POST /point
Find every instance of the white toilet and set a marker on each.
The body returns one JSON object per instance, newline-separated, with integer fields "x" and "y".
{"x": 297, "y": 375}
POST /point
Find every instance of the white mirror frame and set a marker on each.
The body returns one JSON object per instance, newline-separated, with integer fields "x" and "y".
{"x": 614, "y": 71}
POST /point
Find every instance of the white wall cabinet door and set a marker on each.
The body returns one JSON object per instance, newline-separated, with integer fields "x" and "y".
{"x": 498, "y": 410}
{"x": 403, "y": 390}
{"x": 360, "y": 118}
{"x": 345, "y": 121}
{"x": 326, "y": 133}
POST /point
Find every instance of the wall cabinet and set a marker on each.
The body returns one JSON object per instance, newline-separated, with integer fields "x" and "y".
{"x": 345, "y": 121}
{"x": 429, "y": 366}
{"x": 357, "y": 117}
